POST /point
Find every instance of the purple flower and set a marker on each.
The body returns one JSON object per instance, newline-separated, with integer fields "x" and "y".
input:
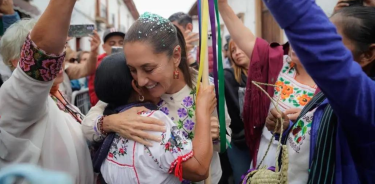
{"x": 161, "y": 102}
{"x": 185, "y": 134}
{"x": 189, "y": 124}
{"x": 188, "y": 101}
{"x": 165, "y": 110}
{"x": 181, "y": 112}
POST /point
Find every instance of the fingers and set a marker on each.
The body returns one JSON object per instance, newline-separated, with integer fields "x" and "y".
{"x": 293, "y": 117}
{"x": 147, "y": 136}
{"x": 292, "y": 111}
{"x": 270, "y": 124}
{"x": 150, "y": 124}
{"x": 191, "y": 40}
{"x": 215, "y": 128}
{"x": 275, "y": 113}
{"x": 141, "y": 141}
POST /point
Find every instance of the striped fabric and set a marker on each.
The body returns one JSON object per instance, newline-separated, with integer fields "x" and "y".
{"x": 322, "y": 168}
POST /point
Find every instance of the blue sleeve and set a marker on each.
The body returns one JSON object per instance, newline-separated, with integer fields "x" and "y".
{"x": 8, "y": 20}
{"x": 314, "y": 38}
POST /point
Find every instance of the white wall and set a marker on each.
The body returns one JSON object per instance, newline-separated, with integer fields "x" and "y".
{"x": 248, "y": 7}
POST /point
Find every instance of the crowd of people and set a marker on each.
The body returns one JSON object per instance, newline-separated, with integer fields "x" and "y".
{"x": 149, "y": 124}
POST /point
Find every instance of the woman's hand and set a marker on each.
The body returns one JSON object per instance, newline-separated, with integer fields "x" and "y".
{"x": 206, "y": 99}
{"x": 215, "y": 128}
{"x": 190, "y": 39}
{"x": 293, "y": 113}
{"x": 273, "y": 117}
{"x": 95, "y": 42}
{"x": 132, "y": 126}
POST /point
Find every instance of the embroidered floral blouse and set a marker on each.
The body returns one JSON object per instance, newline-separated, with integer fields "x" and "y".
{"x": 129, "y": 162}
{"x": 180, "y": 107}
{"x": 32, "y": 127}
{"x": 290, "y": 94}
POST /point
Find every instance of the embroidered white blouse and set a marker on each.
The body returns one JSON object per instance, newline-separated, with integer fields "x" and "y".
{"x": 129, "y": 162}
{"x": 292, "y": 95}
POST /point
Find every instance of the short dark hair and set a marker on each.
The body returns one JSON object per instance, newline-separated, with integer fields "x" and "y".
{"x": 113, "y": 81}
{"x": 181, "y": 18}
{"x": 358, "y": 25}
{"x": 163, "y": 37}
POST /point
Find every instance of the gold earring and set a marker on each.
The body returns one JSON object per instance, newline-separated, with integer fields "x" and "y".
{"x": 141, "y": 98}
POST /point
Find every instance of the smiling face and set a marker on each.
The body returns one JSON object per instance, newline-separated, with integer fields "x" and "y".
{"x": 150, "y": 70}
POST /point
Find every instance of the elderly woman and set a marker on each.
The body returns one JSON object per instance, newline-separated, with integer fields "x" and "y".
{"x": 37, "y": 125}
{"x": 156, "y": 56}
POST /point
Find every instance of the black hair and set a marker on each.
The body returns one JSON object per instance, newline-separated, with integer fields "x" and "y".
{"x": 163, "y": 37}
{"x": 113, "y": 82}
{"x": 358, "y": 25}
{"x": 181, "y": 18}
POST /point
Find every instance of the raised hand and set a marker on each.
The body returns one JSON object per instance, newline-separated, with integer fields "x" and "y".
{"x": 6, "y": 7}
{"x": 95, "y": 42}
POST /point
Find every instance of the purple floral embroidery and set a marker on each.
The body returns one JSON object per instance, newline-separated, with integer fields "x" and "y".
{"x": 189, "y": 124}
{"x": 160, "y": 103}
{"x": 185, "y": 134}
{"x": 182, "y": 112}
{"x": 165, "y": 110}
{"x": 188, "y": 101}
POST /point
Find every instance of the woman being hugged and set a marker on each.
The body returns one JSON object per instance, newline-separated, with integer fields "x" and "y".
{"x": 156, "y": 56}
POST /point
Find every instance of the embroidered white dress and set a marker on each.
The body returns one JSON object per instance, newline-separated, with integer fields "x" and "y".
{"x": 292, "y": 95}
{"x": 129, "y": 162}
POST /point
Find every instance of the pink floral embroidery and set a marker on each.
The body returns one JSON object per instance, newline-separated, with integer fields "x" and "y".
{"x": 27, "y": 59}
{"x": 37, "y": 64}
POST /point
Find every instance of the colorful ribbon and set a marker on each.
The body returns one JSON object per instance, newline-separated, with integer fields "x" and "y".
{"x": 205, "y": 8}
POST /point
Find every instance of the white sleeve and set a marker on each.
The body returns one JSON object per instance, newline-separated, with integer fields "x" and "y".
{"x": 24, "y": 95}
{"x": 89, "y": 123}
{"x": 174, "y": 147}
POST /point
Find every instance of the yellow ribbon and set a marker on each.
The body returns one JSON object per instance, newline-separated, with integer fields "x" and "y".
{"x": 203, "y": 68}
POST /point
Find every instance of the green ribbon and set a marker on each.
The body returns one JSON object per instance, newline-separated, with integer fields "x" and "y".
{"x": 223, "y": 131}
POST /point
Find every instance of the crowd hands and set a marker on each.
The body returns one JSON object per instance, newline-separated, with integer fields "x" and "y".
{"x": 51, "y": 40}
